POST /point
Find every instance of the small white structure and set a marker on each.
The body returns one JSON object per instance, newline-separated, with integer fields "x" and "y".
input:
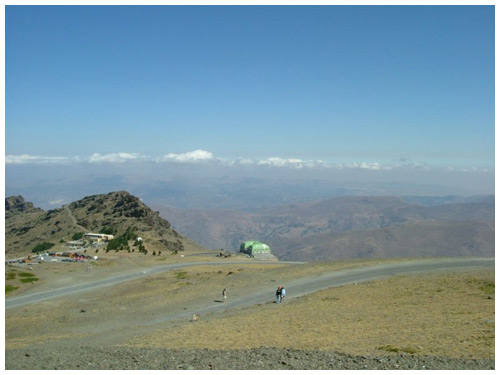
{"x": 138, "y": 239}
{"x": 75, "y": 244}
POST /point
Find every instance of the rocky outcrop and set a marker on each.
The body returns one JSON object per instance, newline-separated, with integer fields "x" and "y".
{"x": 15, "y": 204}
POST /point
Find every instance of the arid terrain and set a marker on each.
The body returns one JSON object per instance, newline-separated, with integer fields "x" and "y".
{"x": 113, "y": 305}
{"x": 350, "y": 227}
{"x": 439, "y": 319}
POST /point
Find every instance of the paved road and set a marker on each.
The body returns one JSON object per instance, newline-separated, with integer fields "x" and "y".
{"x": 30, "y": 298}
{"x": 314, "y": 283}
{"x": 296, "y": 288}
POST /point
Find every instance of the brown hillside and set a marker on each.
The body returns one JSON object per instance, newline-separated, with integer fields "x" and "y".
{"x": 285, "y": 225}
{"x": 412, "y": 239}
{"x": 26, "y": 226}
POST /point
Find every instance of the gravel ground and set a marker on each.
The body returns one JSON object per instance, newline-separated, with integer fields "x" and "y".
{"x": 264, "y": 358}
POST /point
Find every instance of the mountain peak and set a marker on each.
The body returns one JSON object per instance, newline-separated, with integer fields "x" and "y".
{"x": 16, "y": 203}
{"x": 116, "y": 213}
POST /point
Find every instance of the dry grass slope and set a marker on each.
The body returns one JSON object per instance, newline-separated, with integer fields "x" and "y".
{"x": 444, "y": 315}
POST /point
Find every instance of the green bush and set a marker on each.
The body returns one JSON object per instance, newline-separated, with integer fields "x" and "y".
{"x": 118, "y": 243}
{"x": 26, "y": 274}
{"x": 130, "y": 234}
{"x": 42, "y": 247}
{"x": 29, "y": 280}
{"x": 77, "y": 236}
{"x": 10, "y": 288}
{"x": 11, "y": 276}
{"x": 181, "y": 275}
{"x": 107, "y": 230}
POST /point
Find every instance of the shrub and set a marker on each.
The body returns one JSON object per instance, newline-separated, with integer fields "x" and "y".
{"x": 107, "y": 230}
{"x": 29, "y": 280}
{"x": 42, "y": 247}
{"x": 26, "y": 274}
{"x": 117, "y": 243}
{"x": 394, "y": 349}
{"x": 10, "y": 288}
{"x": 77, "y": 236}
{"x": 181, "y": 275}
{"x": 130, "y": 234}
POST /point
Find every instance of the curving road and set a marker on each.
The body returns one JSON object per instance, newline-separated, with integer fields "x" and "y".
{"x": 296, "y": 288}
{"x": 27, "y": 299}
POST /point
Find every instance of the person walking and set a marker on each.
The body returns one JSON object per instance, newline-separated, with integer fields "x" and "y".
{"x": 224, "y": 295}
{"x": 278, "y": 295}
{"x": 283, "y": 294}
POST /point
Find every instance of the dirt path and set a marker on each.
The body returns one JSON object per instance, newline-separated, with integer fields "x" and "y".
{"x": 73, "y": 219}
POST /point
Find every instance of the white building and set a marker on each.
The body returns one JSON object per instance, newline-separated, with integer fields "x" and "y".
{"x": 99, "y": 236}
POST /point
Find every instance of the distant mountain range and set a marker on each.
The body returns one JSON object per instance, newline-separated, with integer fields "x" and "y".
{"x": 341, "y": 227}
{"x": 26, "y": 226}
{"x": 347, "y": 227}
{"x": 246, "y": 193}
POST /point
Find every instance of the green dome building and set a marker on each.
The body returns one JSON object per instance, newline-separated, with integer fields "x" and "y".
{"x": 253, "y": 248}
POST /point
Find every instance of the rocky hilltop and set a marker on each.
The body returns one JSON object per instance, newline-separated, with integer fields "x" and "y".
{"x": 115, "y": 213}
{"x": 117, "y": 210}
{"x": 17, "y": 204}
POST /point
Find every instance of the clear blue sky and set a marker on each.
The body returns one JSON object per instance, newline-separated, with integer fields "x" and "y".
{"x": 333, "y": 83}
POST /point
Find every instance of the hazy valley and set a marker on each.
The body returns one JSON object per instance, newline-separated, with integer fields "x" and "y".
{"x": 350, "y": 227}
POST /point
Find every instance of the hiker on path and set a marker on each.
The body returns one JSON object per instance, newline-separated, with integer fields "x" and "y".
{"x": 283, "y": 294}
{"x": 278, "y": 295}
{"x": 224, "y": 295}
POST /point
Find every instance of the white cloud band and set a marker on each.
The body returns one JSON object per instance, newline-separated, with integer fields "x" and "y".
{"x": 188, "y": 157}
{"x": 120, "y": 157}
{"x": 31, "y": 159}
{"x": 201, "y": 156}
